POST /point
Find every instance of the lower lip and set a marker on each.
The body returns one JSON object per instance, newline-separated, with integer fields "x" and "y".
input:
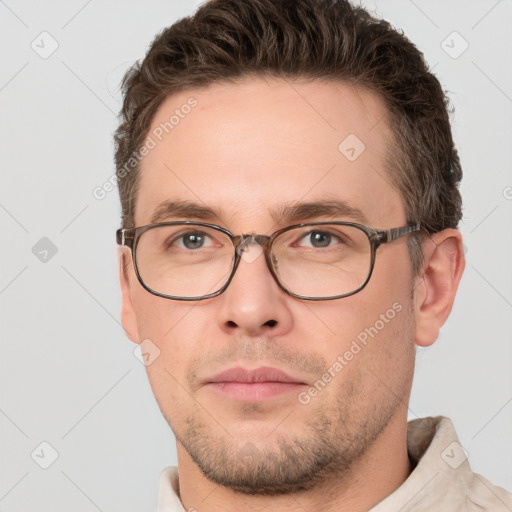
{"x": 255, "y": 391}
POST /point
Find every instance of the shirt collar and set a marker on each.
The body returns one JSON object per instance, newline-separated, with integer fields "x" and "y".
{"x": 441, "y": 477}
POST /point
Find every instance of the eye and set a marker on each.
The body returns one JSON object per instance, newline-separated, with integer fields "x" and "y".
{"x": 319, "y": 239}
{"x": 191, "y": 240}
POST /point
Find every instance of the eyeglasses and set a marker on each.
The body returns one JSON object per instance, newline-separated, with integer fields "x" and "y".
{"x": 315, "y": 261}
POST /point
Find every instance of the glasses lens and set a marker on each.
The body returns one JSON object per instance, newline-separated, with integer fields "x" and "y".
{"x": 184, "y": 260}
{"x": 322, "y": 260}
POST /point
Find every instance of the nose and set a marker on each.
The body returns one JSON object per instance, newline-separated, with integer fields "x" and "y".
{"x": 253, "y": 303}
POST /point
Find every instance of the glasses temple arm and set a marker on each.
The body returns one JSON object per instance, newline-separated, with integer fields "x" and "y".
{"x": 125, "y": 237}
{"x": 389, "y": 235}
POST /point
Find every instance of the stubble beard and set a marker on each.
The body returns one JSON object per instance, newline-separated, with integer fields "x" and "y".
{"x": 331, "y": 443}
{"x": 332, "y": 440}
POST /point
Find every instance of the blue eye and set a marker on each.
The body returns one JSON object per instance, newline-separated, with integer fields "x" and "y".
{"x": 189, "y": 240}
{"x": 193, "y": 240}
{"x": 319, "y": 239}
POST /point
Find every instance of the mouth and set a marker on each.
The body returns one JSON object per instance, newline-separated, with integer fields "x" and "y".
{"x": 254, "y": 385}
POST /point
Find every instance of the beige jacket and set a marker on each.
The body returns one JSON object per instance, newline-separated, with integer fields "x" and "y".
{"x": 442, "y": 480}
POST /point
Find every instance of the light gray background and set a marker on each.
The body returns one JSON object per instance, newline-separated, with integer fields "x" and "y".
{"x": 68, "y": 375}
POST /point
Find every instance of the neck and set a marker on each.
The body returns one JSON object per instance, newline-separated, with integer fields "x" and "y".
{"x": 379, "y": 472}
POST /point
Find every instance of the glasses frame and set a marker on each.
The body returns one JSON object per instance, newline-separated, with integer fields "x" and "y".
{"x": 130, "y": 237}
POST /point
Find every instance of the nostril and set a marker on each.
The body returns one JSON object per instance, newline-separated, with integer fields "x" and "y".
{"x": 271, "y": 323}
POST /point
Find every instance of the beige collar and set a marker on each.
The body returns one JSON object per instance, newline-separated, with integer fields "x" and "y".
{"x": 442, "y": 479}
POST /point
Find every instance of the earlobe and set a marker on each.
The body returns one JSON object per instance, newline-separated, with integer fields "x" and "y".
{"x": 128, "y": 317}
{"x": 437, "y": 283}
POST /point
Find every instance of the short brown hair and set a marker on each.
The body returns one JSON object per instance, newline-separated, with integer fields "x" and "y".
{"x": 314, "y": 39}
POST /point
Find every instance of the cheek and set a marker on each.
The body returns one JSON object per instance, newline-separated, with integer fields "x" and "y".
{"x": 175, "y": 328}
{"x": 372, "y": 330}
{"x": 163, "y": 320}
{"x": 371, "y": 358}
{"x": 152, "y": 315}
{"x": 166, "y": 324}
{"x": 393, "y": 270}
{"x": 158, "y": 322}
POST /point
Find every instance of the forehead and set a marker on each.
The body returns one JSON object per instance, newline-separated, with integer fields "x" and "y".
{"x": 250, "y": 147}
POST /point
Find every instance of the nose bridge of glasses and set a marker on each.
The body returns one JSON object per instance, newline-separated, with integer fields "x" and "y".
{"x": 242, "y": 242}
{"x": 243, "y": 245}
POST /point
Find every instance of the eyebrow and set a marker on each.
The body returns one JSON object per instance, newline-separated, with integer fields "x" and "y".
{"x": 184, "y": 210}
{"x": 295, "y": 212}
{"x": 335, "y": 209}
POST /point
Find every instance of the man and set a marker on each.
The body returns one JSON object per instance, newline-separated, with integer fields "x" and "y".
{"x": 289, "y": 188}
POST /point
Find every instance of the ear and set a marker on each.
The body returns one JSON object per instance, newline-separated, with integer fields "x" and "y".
{"x": 437, "y": 283}
{"x": 128, "y": 317}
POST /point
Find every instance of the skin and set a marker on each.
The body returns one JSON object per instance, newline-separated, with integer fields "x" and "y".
{"x": 248, "y": 148}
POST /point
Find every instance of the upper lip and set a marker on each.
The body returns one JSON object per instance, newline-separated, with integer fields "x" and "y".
{"x": 262, "y": 374}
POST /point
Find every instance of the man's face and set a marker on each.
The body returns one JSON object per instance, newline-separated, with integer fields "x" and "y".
{"x": 246, "y": 151}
